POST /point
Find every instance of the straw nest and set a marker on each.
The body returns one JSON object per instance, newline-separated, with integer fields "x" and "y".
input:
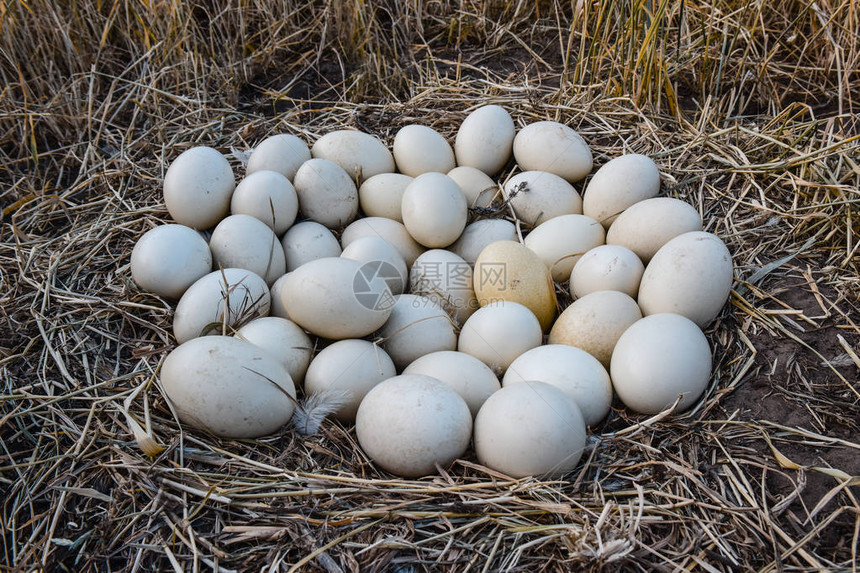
{"x": 749, "y": 109}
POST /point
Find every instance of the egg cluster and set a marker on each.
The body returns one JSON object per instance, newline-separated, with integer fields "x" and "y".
{"x": 416, "y": 293}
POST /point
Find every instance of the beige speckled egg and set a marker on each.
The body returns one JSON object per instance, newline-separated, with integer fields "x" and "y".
{"x": 382, "y": 195}
{"x": 224, "y": 297}
{"x": 308, "y": 241}
{"x": 168, "y": 259}
{"x": 573, "y": 371}
{"x": 284, "y": 340}
{"x": 479, "y": 234}
{"x": 468, "y": 376}
{"x": 478, "y": 188}
{"x": 198, "y": 186}
{"x": 553, "y": 147}
{"x": 379, "y": 252}
{"x": 228, "y": 387}
{"x": 619, "y": 184}
{"x": 507, "y": 270}
{"x": 434, "y": 210}
{"x": 269, "y": 197}
{"x": 658, "y": 358}
{"x": 277, "y": 308}
{"x": 420, "y": 149}
{"x": 691, "y": 275}
{"x": 607, "y": 267}
{"x": 326, "y": 193}
{"x": 538, "y": 196}
{"x": 648, "y": 225}
{"x": 446, "y": 279}
{"x": 498, "y": 333}
{"x": 529, "y": 429}
{"x": 594, "y": 323}
{"x": 561, "y": 241}
{"x": 410, "y": 424}
{"x": 243, "y": 242}
{"x": 417, "y": 326}
{"x": 332, "y": 298}
{"x": 283, "y": 153}
{"x": 392, "y": 231}
{"x": 485, "y": 139}
{"x": 348, "y": 369}
{"x": 360, "y": 154}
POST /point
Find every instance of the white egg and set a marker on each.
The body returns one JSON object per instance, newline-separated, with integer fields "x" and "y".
{"x": 476, "y": 236}
{"x": 573, "y": 371}
{"x": 226, "y": 297}
{"x": 198, "y": 186}
{"x": 420, "y": 149}
{"x": 595, "y": 322}
{"x": 485, "y": 139}
{"x": 468, "y": 376}
{"x": 326, "y": 193}
{"x": 284, "y": 340}
{"x": 168, "y": 259}
{"x": 538, "y": 196}
{"x": 360, "y": 154}
{"x": 410, "y": 424}
{"x": 691, "y": 275}
{"x": 243, "y": 242}
{"x": 382, "y": 195}
{"x": 277, "y": 307}
{"x": 417, "y": 326}
{"x": 392, "y": 231}
{"x": 434, "y": 210}
{"x": 283, "y": 153}
{"x": 269, "y": 197}
{"x": 657, "y": 359}
{"x": 389, "y": 264}
{"x": 607, "y": 267}
{"x": 308, "y": 241}
{"x": 553, "y": 147}
{"x": 500, "y": 332}
{"x": 446, "y": 279}
{"x": 646, "y": 226}
{"x": 562, "y": 240}
{"x": 619, "y": 184}
{"x": 529, "y": 429}
{"x": 346, "y": 371}
{"x": 228, "y": 387}
{"x": 478, "y": 188}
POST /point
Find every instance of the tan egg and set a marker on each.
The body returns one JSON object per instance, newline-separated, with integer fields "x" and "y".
{"x": 277, "y": 308}
{"x": 538, "y": 196}
{"x": 468, "y": 376}
{"x": 434, "y": 210}
{"x": 243, "y": 242}
{"x": 168, "y": 259}
{"x": 478, "y": 188}
{"x": 507, "y": 270}
{"x": 198, "y": 186}
{"x": 417, "y": 326}
{"x": 573, "y": 371}
{"x": 691, "y": 275}
{"x": 485, "y": 139}
{"x": 529, "y": 429}
{"x": 595, "y": 322}
{"x": 228, "y": 297}
{"x": 392, "y": 231}
{"x": 228, "y": 387}
{"x": 269, "y": 197}
{"x": 446, "y": 279}
{"x": 383, "y": 257}
{"x": 283, "y": 153}
{"x": 479, "y": 234}
{"x": 420, "y": 149}
{"x": 619, "y": 184}
{"x": 648, "y": 225}
{"x": 659, "y": 358}
{"x": 498, "y": 333}
{"x": 360, "y": 154}
{"x": 308, "y": 241}
{"x": 561, "y": 241}
{"x": 553, "y": 147}
{"x": 332, "y": 298}
{"x": 284, "y": 340}
{"x": 607, "y": 267}
{"x": 326, "y": 193}
{"x": 347, "y": 370}
{"x": 382, "y": 195}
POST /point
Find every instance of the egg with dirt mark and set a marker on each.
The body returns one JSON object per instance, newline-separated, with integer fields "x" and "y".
{"x": 606, "y": 267}
{"x": 326, "y": 193}
{"x": 360, "y": 154}
{"x": 538, "y": 196}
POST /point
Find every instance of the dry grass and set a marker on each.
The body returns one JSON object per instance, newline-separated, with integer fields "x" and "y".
{"x": 748, "y": 107}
